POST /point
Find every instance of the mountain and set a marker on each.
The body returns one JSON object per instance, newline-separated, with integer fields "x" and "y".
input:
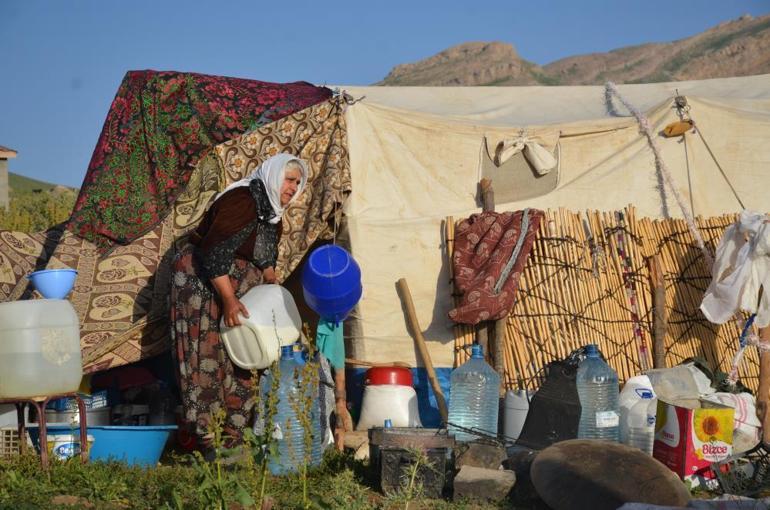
{"x": 735, "y": 48}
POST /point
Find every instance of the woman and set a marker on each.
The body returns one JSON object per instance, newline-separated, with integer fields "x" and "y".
{"x": 234, "y": 248}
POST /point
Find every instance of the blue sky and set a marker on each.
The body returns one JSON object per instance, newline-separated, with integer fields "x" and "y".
{"x": 62, "y": 61}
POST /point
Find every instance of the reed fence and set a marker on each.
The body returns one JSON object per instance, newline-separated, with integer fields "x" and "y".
{"x": 587, "y": 281}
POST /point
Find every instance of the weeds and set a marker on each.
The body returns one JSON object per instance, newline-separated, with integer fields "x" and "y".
{"x": 262, "y": 442}
{"x": 217, "y": 486}
{"x": 303, "y": 402}
{"x": 412, "y": 478}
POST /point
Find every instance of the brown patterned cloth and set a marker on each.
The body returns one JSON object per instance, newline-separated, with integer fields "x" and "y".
{"x": 122, "y": 299}
{"x": 483, "y": 247}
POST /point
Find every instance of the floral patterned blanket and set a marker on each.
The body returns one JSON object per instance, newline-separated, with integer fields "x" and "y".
{"x": 159, "y": 126}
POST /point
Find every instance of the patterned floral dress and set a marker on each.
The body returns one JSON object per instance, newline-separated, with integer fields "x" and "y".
{"x": 234, "y": 238}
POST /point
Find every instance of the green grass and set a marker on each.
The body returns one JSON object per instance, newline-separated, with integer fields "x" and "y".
{"x": 340, "y": 483}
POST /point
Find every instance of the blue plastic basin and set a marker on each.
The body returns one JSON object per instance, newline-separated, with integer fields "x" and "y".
{"x": 331, "y": 282}
{"x": 54, "y": 283}
{"x": 137, "y": 445}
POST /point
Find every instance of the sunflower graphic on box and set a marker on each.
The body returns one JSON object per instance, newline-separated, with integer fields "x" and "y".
{"x": 712, "y": 433}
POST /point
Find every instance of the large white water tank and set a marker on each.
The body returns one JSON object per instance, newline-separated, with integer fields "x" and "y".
{"x": 39, "y": 348}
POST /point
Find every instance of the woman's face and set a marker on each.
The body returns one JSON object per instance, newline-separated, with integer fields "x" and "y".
{"x": 290, "y": 184}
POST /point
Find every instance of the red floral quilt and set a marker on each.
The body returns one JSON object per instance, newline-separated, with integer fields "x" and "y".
{"x": 158, "y": 127}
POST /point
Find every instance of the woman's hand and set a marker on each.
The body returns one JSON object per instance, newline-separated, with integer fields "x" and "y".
{"x": 232, "y": 307}
{"x": 268, "y": 275}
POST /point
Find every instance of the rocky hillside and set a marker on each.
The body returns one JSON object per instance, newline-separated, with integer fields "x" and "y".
{"x": 735, "y": 48}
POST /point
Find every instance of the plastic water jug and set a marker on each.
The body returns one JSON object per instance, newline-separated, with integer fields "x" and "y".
{"x": 473, "y": 398}
{"x": 597, "y": 387}
{"x": 516, "y": 409}
{"x": 634, "y": 390}
{"x": 273, "y": 322}
{"x": 39, "y": 348}
{"x": 331, "y": 282}
{"x": 638, "y": 427}
{"x": 286, "y": 427}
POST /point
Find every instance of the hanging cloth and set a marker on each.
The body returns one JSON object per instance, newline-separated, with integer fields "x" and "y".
{"x": 541, "y": 159}
{"x": 741, "y": 268}
{"x": 330, "y": 342}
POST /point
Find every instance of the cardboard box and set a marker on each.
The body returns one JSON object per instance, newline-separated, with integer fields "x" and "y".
{"x": 690, "y": 435}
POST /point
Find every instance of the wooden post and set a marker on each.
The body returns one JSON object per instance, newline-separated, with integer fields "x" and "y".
{"x": 419, "y": 340}
{"x": 658, "y": 285}
{"x": 491, "y": 335}
{"x": 487, "y": 195}
{"x": 763, "y": 393}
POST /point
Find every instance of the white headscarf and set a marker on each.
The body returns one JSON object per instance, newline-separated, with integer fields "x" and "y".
{"x": 272, "y": 172}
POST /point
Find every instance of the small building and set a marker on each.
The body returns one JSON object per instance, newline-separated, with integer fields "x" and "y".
{"x": 5, "y": 155}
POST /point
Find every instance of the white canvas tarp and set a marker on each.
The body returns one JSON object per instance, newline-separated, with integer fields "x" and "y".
{"x": 416, "y": 152}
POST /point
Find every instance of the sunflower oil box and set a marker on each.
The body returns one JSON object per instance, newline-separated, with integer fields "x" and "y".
{"x": 690, "y": 434}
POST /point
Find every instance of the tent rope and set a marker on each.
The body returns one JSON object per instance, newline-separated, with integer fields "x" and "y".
{"x": 646, "y": 129}
{"x": 721, "y": 170}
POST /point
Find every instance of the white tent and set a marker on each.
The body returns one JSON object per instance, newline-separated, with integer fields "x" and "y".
{"x": 416, "y": 155}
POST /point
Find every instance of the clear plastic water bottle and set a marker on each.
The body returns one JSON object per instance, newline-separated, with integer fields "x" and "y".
{"x": 641, "y": 423}
{"x": 473, "y": 397}
{"x": 287, "y": 429}
{"x": 597, "y": 387}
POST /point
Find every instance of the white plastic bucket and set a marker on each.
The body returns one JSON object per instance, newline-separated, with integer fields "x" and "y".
{"x": 65, "y": 446}
{"x": 516, "y": 409}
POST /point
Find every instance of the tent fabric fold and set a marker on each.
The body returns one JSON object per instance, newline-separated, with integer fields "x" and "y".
{"x": 157, "y": 129}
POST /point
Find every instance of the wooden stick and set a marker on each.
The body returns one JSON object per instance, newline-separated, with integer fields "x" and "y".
{"x": 419, "y": 340}
{"x": 763, "y": 393}
{"x": 362, "y": 363}
{"x": 659, "y": 312}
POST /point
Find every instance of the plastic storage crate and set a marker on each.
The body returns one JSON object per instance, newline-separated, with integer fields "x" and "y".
{"x": 9, "y": 442}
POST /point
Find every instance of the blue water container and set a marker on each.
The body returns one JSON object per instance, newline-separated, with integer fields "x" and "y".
{"x": 331, "y": 282}
{"x": 287, "y": 430}
{"x": 473, "y": 398}
{"x": 597, "y": 387}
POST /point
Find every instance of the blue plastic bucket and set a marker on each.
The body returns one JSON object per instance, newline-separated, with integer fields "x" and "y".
{"x": 136, "y": 445}
{"x": 54, "y": 283}
{"x": 331, "y": 282}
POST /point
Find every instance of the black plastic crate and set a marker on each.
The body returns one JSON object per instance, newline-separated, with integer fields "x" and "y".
{"x": 394, "y": 451}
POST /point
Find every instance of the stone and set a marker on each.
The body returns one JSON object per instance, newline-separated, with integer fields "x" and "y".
{"x": 479, "y": 454}
{"x": 358, "y": 442}
{"x": 481, "y": 484}
{"x": 588, "y": 474}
